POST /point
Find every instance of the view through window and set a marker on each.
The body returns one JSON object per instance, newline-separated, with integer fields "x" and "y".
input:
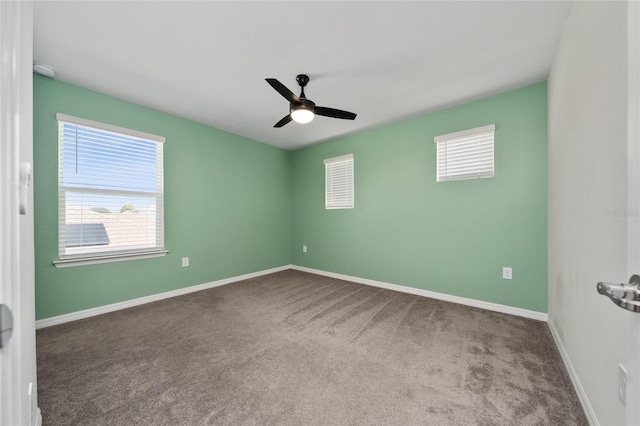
{"x": 110, "y": 190}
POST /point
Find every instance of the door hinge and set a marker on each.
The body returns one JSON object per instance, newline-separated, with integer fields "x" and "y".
{"x": 6, "y": 325}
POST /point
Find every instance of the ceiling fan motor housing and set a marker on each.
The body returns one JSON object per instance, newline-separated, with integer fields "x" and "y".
{"x": 303, "y": 104}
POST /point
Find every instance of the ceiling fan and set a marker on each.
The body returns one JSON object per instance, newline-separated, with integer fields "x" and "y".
{"x": 302, "y": 110}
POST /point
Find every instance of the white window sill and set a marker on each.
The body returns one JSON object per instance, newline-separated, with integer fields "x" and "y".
{"x": 95, "y": 260}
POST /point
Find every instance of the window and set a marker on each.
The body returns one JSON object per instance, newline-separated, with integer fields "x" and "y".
{"x": 338, "y": 173}
{"x": 110, "y": 193}
{"x": 465, "y": 155}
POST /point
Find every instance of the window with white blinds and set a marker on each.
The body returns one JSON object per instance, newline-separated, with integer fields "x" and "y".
{"x": 466, "y": 155}
{"x": 110, "y": 192}
{"x": 339, "y": 182}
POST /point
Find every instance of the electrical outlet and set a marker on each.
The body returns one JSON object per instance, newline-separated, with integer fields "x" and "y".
{"x": 185, "y": 262}
{"x": 507, "y": 273}
{"x": 622, "y": 384}
{"x": 304, "y": 249}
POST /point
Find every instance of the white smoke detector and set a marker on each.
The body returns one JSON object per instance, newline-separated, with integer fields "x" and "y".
{"x": 44, "y": 69}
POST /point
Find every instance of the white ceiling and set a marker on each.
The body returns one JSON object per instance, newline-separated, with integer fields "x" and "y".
{"x": 385, "y": 61}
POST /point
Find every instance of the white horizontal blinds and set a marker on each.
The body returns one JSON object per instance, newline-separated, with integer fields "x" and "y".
{"x": 466, "y": 155}
{"x": 339, "y": 182}
{"x": 110, "y": 190}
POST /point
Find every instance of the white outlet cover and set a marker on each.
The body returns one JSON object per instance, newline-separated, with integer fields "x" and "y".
{"x": 622, "y": 384}
{"x": 507, "y": 273}
{"x": 185, "y": 262}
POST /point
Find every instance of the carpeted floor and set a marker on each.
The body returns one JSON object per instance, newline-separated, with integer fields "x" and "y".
{"x": 301, "y": 349}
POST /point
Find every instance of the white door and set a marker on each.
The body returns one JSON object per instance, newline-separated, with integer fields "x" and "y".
{"x": 18, "y": 402}
{"x": 633, "y": 188}
{"x": 629, "y": 323}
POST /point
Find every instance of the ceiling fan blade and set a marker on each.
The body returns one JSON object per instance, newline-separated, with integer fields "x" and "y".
{"x": 281, "y": 88}
{"x": 287, "y": 118}
{"x": 335, "y": 113}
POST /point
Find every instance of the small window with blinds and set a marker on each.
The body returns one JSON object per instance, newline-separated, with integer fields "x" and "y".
{"x": 465, "y": 155}
{"x": 338, "y": 172}
{"x": 110, "y": 193}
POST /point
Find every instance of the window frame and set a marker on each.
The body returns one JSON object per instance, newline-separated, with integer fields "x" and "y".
{"x": 480, "y": 134}
{"x": 67, "y": 260}
{"x": 329, "y": 194}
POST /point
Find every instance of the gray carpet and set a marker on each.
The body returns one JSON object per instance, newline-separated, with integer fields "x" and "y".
{"x": 296, "y": 348}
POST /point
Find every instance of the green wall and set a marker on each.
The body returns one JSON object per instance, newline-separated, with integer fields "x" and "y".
{"x": 227, "y": 205}
{"x": 237, "y": 206}
{"x": 451, "y": 237}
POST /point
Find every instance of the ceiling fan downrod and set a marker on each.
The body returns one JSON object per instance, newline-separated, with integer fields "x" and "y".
{"x": 302, "y": 80}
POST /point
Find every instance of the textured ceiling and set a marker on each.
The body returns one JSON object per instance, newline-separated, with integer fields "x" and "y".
{"x": 386, "y": 61}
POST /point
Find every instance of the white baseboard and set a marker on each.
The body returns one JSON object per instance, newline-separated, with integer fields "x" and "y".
{"x": 540, "y": 316}
{"x": 38, "y": 421}
{"x": 73, "y": 316}
{"x": 582, "y": 395}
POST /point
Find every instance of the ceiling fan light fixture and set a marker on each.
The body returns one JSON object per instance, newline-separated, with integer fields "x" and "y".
{"x": 302, "y": 114}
